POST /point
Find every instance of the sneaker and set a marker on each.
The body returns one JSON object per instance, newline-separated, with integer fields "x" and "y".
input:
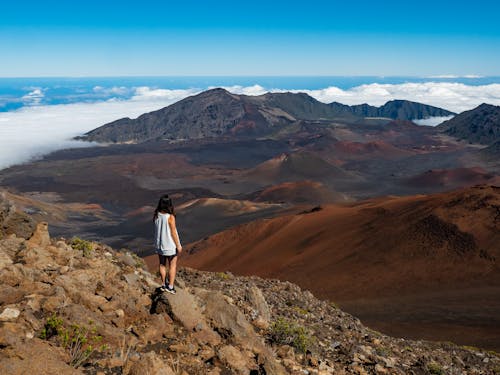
{"x": 163, "y": 288}
{"x": 169, "y": 289}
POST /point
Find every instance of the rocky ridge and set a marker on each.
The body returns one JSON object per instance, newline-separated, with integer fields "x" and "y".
{"x": 479, "y": 125}
{"x": 394, "y": 109}
{"x": 61, "y": 296}
{"x": 217, "y": 113}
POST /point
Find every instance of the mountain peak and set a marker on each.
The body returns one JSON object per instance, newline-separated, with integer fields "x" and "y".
{"x": 217, "y": 112}
{"x": 479, "y": 125}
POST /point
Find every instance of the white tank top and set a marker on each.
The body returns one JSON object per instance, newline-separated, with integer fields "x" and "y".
{"x": 163, "y": 236}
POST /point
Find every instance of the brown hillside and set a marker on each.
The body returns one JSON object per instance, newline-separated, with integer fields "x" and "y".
{"x": 452, "y": 236}
{"x": 453, "y": 178}
{"x": 388, "y": 249}
{"x": 299, "y": 192}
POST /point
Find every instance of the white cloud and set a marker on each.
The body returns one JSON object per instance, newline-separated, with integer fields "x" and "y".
{"x": 147, "y": 94}
{"x": 453, "y": 76}
{"x": 115, "y": 90}
{"x": 246, "y": 90}
{"x": 456, "y": 97}
{"x": 34, "y": 97}
{"x": 32, "y": 131}
{"x": 432, "y": 121}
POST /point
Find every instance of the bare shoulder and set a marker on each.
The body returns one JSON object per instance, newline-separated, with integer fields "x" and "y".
{"x": 171, "y": 219}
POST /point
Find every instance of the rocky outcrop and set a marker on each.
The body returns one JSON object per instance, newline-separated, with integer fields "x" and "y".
{"x": 13, "y": 221}
{"x": 80, "y": 307}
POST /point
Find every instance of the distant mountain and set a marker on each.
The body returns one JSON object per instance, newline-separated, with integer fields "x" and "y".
{"x": 479, "y": 125}
{"x": 394, "y": 109}
{"x": 217, "y": 112}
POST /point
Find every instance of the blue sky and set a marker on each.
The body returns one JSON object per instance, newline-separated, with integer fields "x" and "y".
{"x": 119, "y": 38}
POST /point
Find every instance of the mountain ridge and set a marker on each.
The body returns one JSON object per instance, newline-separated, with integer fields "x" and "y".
{"x": 395, "y": 109}
{"x": 217, "y": 112}
{"x": 479, "y": 125}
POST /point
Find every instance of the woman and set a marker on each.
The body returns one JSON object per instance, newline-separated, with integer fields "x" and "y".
{"x": 167, "y": 242}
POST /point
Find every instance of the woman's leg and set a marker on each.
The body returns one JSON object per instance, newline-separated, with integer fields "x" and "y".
{"x": 163, "y": 269}
{"x": 172, "y": 269}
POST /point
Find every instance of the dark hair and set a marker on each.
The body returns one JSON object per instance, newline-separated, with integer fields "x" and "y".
{"x": 165, "y": 205}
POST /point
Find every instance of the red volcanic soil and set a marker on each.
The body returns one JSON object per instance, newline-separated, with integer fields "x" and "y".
{"x": 393, "y": 245}
{"x": 453, "y": 178}
{"x": 392, "y": 261}
{"x": 299, "y": 192}
{"x": 379, "y": 149}
{"x": 295, "y": 166}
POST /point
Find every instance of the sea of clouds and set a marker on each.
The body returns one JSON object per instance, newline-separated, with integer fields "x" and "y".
{"x": 35, "y": 129}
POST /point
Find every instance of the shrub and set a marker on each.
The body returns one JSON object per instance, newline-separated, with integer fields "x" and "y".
{"x": 79, "y": 341}
{"x": 84, "y": 246}
{"x": 285, "y": 332}
{"x": 435, "y": 369}
{"x": 223, "y": 275}
{"x": 383, "y": 351}
{"x": 52, "y": 327}
{"x": 300, "y": 310}
{"x": 139, "y": 262}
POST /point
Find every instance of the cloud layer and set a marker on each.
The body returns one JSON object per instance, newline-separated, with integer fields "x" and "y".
{"x": 35, "y": 130}
{"x": 456, "y": 97}
{"x": 31, "y": 132}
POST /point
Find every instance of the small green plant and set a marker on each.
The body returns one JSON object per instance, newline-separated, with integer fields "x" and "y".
{"x": 285, "y": 332}
{"x": 223, "y": 275}
{"x": 334, "y": 305}
{"x": 471, "y": 348}
{"x": 300, "y": 310}
{"x": 435, "y": 369}
{"x": 84, "y": 246}
{"x": 139, "y": 262}
{"x": 52, "y": 327}
{"x": 79, "y": 341}
{"x": 383, "y": 351}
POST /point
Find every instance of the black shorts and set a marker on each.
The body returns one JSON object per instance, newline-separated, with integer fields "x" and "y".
{"x": 164, "y": 258}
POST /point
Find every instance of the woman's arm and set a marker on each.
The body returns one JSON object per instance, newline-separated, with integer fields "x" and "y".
{"x": 175, "y": 235}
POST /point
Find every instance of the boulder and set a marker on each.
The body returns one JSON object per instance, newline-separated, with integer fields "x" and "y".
{"x": 40, "y": 237}
{"x": 182, "y": 307}
{"x": 233, "y": 358}
{"x": 228, "y": 318}
{"x": 5, "y": 259}
{"x": 13, "y": 221}
{"x": 36, "y": 357}
{"x": 149, "y": 364}
{"x": 154, "y": 328}
{"x": 9, "y": 314}
{"x": 258, "y": 302}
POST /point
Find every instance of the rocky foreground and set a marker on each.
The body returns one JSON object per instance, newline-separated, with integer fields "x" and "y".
{"x": 71, "y": 306}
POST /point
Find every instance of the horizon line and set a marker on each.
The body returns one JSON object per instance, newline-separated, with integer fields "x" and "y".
{"x": 433, "y": 76}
